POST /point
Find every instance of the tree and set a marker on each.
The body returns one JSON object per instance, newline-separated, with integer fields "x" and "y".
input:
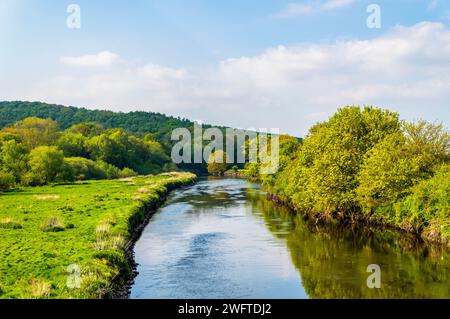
{"x": 85, "y": 169}
{"x": 73, "y": 144}
{"x": 108, "y": 149}
{"x": 323, "y": 177}
{"x": 7, "y": 180}
{"x": 35, "y": 131}
{"x": 400, "y": 161}
{"x": 87, "y": 129}
{"x": 218, "y": 163}
{"x": 13, "y": 159}
{"x": 46, "y": 165}
{"x": 288, "y": 146}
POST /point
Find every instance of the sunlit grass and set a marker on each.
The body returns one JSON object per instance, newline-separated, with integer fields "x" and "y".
{"x": 44, "y": 230}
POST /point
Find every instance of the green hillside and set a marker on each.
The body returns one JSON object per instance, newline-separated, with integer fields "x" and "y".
{"x": 133, "y": 122}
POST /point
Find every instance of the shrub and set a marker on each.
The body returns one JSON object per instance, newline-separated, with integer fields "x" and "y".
{"x": 429, "y": 200}
{"x": 7, "y": 181}
{"x": 46, "y": 166}
{"x": 52, "y": 224}
{"x": 9, "y": 223}
{"x": 127, "y": 172}
{"x": 85, "y": 169}
{"x": 399, "y": 162}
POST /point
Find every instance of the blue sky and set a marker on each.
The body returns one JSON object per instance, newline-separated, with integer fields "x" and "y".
{"x": 160, "y": 52}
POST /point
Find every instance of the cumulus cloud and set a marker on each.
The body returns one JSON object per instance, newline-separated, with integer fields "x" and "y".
{"x": 312, "y": 6}
{"x": 286, "y": 87}
{"x": 102, "y": 59}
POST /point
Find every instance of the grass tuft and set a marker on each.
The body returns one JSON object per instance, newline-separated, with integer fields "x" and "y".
{"x": 40, "y": 289}
{"x": 53, "y": 224}
{"x": 9, "y": 223}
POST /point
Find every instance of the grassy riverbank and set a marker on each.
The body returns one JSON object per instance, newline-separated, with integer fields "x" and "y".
{"x": 48, "y": 234}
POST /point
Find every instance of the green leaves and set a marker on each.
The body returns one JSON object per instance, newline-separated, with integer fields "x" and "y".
{"x": 46, "y": 166}
{"x": 366, "y": 164}
{"x": 218, "y": 163}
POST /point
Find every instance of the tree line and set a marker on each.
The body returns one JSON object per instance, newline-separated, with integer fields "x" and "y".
{"x": 35, "y": 151}
{"x": 367, "y": 164}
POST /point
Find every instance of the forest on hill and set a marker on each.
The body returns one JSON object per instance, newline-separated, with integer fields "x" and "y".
{"x": 138, "y": 123}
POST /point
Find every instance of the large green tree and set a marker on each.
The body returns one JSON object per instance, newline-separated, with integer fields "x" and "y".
{"x": 46, "y": 166}
{"x": 35, "y": 131}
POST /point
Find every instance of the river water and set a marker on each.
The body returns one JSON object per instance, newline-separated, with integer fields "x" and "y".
{"x": 222, "y": 238}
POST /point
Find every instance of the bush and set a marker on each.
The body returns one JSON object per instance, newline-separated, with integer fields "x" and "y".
{"x": 7, "y": 181}
{"x": 46, "y": 166}
{"x": 399, "y": 162}
{"x": 85, "y": 169}
{"x": 127, "y": 172}
{"x": 110, "y": 171}
{"x": 429, "y": 201}
{"x": 9, "y": 223}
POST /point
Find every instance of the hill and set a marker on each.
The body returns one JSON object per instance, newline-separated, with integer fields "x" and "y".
{"x": 137, "y": 123}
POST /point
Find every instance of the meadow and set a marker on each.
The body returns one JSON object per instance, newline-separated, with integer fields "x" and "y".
{"x": 74, "y": 240}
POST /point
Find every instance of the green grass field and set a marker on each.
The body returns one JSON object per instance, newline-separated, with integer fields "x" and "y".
{"x": 51, "y": 236}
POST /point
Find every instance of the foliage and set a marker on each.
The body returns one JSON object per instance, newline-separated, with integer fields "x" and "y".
{"x": 35, "y": 152}
{"x": 84, "y": 169}
{"x": 134, "y": 122}
{"x": 46, "y": 166}
{"x": 14, "y": 159}
{"x": 427, "y": 204}
{"x": 73, "y": 144}
{"x": 400, "y": 161}
{"x": 218, "y": 163}
{"x": 35, "y": 131}
{"x": 366, "y": 164}
{"x": 7, "y": 180}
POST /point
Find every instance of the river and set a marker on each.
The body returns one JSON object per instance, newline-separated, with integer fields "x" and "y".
{"x": 222, "y": 238}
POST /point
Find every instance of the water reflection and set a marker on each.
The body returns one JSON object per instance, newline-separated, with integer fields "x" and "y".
{"x": 333, "y": 259}
{"x": 222, "y": 238}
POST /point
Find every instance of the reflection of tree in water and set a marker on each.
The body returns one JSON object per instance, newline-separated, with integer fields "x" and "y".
{"x": 204, "y": 196}
{"x": 333, "y": 258}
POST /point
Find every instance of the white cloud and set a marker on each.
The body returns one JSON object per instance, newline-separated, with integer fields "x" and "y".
{"x": 312, "y": 6}
{"x": 407, "y": 70}
{"x": 102, "y": 59}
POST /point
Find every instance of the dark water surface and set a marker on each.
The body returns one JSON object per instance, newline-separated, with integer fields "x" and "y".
{"x": 222, "y": 238}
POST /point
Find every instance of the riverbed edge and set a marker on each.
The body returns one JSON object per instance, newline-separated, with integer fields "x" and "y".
{"x": 121, "y": 285}
{"x": 430, "y": 235}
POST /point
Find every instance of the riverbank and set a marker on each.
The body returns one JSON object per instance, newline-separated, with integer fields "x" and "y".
{"x": 432, "y": 235}
{"x": 365, "y": 165}
{"x": 138, "y": 223}
{"x": 75, "y": 240}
